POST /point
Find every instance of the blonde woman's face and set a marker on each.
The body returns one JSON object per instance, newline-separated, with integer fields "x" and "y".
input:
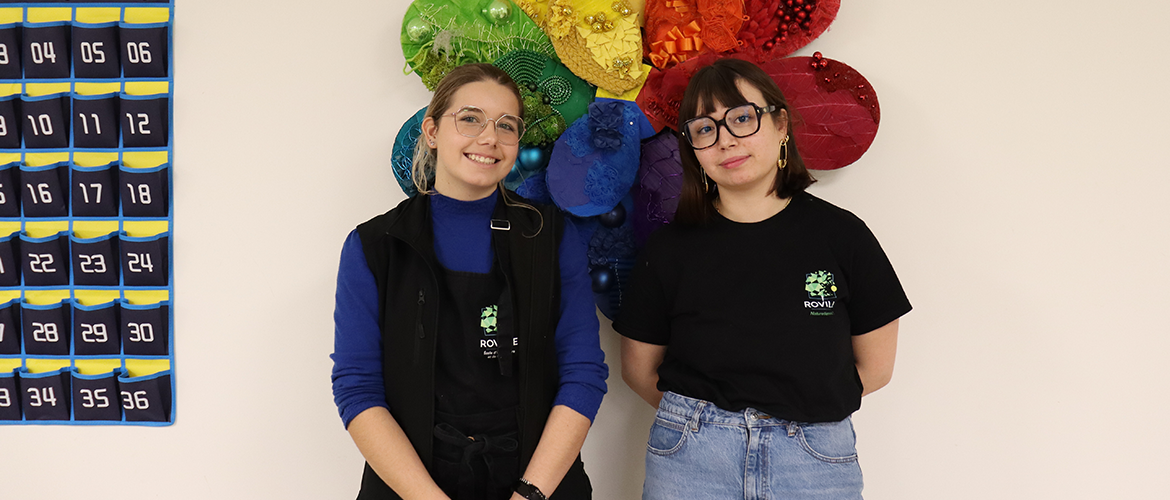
{"x": 469, "y": 168}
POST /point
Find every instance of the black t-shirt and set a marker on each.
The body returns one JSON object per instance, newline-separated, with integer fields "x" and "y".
{"x": 762, "y": 314}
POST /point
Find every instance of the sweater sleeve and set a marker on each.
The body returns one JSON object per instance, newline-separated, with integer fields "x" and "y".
{"x": 357, "y": 338}
{"x": 581, "y": 362}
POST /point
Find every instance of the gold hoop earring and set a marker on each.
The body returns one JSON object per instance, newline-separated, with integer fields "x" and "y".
{"x": 783, "y": 161}
{"x": 706, "y": 188}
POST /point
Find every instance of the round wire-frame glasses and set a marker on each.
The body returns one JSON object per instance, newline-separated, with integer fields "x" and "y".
{"x": 471, "y": 121}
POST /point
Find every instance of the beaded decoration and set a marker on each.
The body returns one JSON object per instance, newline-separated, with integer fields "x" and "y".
{"x": 599, "y": 40}
{"x": 438, "y": 36}
{"x": 568, "y": 94}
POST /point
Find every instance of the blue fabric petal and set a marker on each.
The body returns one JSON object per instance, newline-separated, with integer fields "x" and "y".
{"x": 402, "y": 159}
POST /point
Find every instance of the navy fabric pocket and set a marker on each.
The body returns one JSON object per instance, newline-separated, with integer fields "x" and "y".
{"x": 95, "y": 51}
{"x": 45, "y": 396}
{"x": 45, "y": 50}
{"x": 43, "y": 190}
{"x": 147, "y": 398}
{"x": 10, "y": 68}
{"x": 144, "y": 260}
{"x": 145, "y": 329}
{"x": 144, "y": 50}
{"x": 44, "y": 121}
{"x": 95, "y": 191}
{"x": 9, "y": 124}
{"x": 144, "y": 120}
{"x": 96, "y": 397}
{"x": 96, "y": 330}
{"x": 10, "y": 327}
{"x": 10, "y": 260}
{"x": 95, "y": 260}
{"x": 144, "y": 191}
{"x": 9, "y": 396}
{"x": 45, "y": 329}
{"x": 44, "y": 261}
{"x": 95, "y": 121}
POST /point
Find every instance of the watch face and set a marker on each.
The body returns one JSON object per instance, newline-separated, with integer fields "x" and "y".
{"x": 529, "y": 491}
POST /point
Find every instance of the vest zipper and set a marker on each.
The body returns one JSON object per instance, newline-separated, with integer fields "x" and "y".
{"x": 418, "y": 328}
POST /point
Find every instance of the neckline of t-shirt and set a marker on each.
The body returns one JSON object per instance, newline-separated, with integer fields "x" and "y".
{"x": 797, "y": 199}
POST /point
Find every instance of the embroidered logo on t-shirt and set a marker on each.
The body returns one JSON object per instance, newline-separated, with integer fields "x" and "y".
{"x": 822, "y": 293}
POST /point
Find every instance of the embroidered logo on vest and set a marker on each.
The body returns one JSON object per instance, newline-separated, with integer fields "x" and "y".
{"x": 489, "y": 343}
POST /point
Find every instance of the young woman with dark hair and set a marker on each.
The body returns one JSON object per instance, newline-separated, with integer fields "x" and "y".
{"x": 467, "y": 363}
{"x": 760, "y": 317}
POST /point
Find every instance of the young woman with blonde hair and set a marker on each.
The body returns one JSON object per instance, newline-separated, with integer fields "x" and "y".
{"x": 467, "y": 363}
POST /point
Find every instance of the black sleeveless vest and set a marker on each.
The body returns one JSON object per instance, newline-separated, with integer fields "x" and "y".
{"x": 400, "y": 253}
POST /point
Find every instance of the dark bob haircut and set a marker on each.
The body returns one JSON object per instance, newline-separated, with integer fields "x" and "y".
{"x": 717, "y": 84}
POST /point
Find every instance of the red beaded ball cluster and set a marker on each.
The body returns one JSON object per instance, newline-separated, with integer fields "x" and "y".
{"x": 794, "y": 15}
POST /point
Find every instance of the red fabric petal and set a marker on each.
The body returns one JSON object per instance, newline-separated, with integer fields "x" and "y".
{"x": 838, "y": 118}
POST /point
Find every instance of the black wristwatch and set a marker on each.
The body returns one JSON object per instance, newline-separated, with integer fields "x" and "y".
{"x": 529, "y": 490}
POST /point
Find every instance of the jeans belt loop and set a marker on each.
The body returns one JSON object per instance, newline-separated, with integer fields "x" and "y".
{"x": 694, "y": 423}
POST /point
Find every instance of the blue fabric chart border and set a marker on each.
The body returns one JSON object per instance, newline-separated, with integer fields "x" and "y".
{"x": 56, "y": 365}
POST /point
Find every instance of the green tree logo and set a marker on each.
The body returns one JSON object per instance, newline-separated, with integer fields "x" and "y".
{"x": 487, "y": 321}
{"x": 820, "y": 285}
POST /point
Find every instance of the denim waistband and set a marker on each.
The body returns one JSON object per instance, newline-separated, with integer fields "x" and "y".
{"x": 708, "y": 413}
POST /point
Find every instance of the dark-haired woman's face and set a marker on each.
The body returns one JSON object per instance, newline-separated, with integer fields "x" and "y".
{"x": 745, "y": 163}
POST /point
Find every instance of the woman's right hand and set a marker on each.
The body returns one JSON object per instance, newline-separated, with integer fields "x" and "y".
{"x": 388, "y": 451}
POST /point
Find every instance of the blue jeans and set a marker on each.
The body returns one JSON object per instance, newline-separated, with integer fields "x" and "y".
{"x": 699, "y": 451}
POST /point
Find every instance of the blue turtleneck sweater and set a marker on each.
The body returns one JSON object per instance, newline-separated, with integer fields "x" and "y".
{"x": 462, "y": 243}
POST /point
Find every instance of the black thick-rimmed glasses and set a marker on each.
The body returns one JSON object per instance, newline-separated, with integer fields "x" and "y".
{"x": 740, "y": 121}
{"x": 470, "y": 122}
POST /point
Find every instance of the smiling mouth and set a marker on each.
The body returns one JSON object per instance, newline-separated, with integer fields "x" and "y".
{"x": 485, "y": 160}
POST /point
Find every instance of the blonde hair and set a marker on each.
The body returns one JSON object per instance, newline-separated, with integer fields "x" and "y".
{"x": 423, "y": 168}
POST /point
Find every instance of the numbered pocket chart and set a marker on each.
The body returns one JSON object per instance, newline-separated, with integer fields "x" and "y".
{"x": 86, "y": 149}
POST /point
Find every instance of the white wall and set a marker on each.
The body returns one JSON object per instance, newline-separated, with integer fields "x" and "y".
{"x": 1017, "y": 182}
